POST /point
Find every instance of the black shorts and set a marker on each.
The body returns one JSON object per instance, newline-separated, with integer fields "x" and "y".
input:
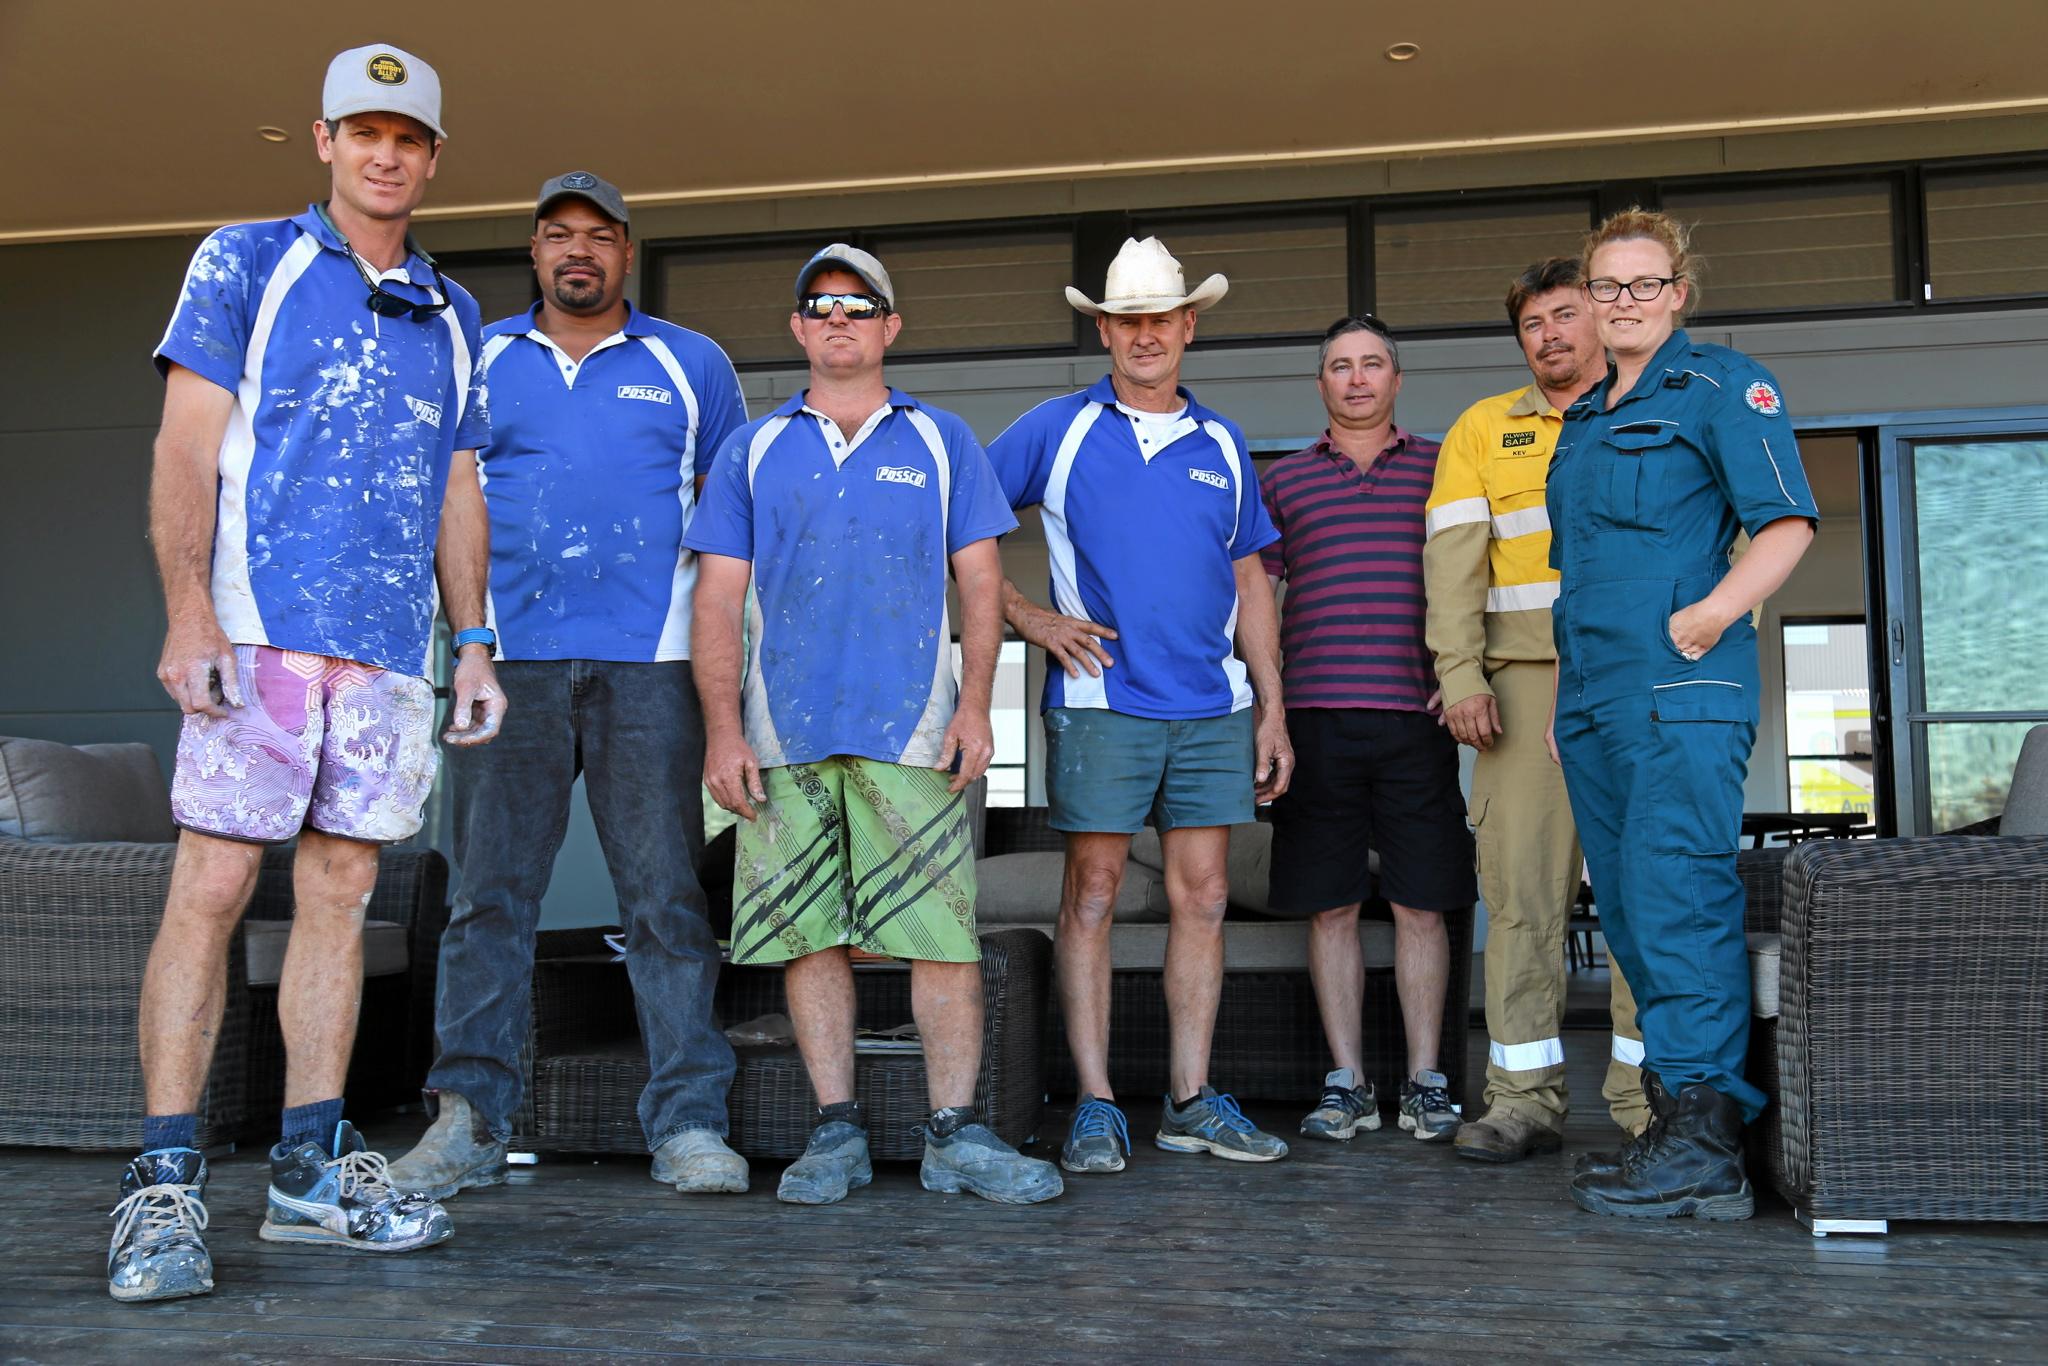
{"x": 1368, "y": 780}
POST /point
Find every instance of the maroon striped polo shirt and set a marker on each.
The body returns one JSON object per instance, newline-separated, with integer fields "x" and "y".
{"x": 1350, "y": 549}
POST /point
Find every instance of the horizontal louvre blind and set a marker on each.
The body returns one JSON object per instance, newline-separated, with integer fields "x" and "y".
{"x": 502, "y": 288}
{"x": 1987, "y": 233}
{"x": 1453, "y": 264}
{"x": 740, "y": 297}
{"x": 984, "y": 291}
{"x": 1288, "y": 276}
{"x": 1791, "y": 246}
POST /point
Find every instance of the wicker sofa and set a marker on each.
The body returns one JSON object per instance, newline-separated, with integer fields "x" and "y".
{"x": 586, "y": 1065}
{"x": 1269, "y": 1042}
{"x": 1910, "y": 1036}
{"x": 86, "y": 847}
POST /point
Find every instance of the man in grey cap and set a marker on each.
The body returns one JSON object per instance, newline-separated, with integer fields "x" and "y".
{"x": 315, "y": 474}
{"x": 605, "y": 421}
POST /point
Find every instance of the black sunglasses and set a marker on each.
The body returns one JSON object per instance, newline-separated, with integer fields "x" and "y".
{"x": 856, "y": 306}
{"x": 385, "y": 304}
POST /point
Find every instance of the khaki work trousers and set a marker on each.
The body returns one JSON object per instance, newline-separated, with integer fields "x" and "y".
{"x": 1529, "y": 863}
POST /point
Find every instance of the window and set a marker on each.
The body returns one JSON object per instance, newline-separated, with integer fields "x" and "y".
{"x": 1987, "y": 233}
{"x": 1452, "y": 264}
{"x": 1792, "y": 246}
{"x": 740, "y": 297}
{"x": 1009, "y": 715}
{"x": 981, "y": 291}
{"x": 1289, "y": 277}
{"x": 503, "y": 284}
{"x": 1827, "y": 714}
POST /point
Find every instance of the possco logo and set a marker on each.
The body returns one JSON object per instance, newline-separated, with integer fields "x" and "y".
{"x": 900, "y": 474}
{"x": 385, "y": 69}
{"x": 646, "y": 393}
{"x": 429, "y": 413}
{"x": 1210, "y": 477}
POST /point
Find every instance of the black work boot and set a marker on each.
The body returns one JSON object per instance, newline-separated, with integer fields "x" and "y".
{"x": 1660, "y": 1110}
{"x": 1688, "y": 1162}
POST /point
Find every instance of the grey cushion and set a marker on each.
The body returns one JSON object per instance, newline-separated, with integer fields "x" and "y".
{"x": 1024, "y": 889}
{"x": 386, "y": 949}
{"x": 1249, "y": 870}
{"x": 1766, "y": 953}
{"x": 2026, "y": 805}
{"x": 83, "y": 794}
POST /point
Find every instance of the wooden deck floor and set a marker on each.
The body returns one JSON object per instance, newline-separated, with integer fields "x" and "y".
{"x": 1382, "y": 1249}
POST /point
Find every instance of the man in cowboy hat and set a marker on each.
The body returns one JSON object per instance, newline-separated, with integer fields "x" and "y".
{"x": 1154, "y": 521}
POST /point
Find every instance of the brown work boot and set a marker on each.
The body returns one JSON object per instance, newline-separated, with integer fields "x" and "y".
{"x": 1505, "y": 1136}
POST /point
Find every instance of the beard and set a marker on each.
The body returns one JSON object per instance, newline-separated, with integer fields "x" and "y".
{"x": 578, "y": 296}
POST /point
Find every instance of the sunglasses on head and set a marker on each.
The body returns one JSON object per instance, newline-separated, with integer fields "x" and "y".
{"x": 855, "y": 306}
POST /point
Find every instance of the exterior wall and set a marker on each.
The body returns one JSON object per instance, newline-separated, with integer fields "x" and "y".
{"x": 83, "y": 622}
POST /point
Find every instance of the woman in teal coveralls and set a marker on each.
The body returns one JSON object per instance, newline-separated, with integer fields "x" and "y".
{"x": 1658, "y": 467}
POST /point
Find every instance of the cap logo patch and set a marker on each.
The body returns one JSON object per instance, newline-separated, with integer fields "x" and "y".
{"x": 578, "y": 180}
{"x": 1764, "y": 399}
{"x": 385, "y": 69}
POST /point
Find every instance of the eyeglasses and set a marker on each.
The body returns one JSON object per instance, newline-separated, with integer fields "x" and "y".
{"x": 1642, "y": 290}
{"x": 855, "y": 306}
{"x": 385, "y": 304}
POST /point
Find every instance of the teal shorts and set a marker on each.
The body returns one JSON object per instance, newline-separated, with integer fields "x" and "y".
{"x": 1108, "y": 772}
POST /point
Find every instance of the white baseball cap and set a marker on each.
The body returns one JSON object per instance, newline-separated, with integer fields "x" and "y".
{"x": 381, "y": 79}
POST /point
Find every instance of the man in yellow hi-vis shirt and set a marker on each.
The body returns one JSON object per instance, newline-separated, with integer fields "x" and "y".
{"x": 1490, "y": 586}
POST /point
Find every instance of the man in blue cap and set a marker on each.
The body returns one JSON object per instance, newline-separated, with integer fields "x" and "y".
{"x": 604, "y": 423}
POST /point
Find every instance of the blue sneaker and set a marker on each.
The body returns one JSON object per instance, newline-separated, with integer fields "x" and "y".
{"x": 156, "y": 1252}
{"x": 1098, "y": 1138}
{"x": 346, "y": 1200}
{"x": 1212, "y": 1123}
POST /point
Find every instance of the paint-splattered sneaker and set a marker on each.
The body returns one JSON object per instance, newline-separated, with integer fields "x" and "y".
{"x": 157, "y": 1253}
{"x": 346, "y": 1200}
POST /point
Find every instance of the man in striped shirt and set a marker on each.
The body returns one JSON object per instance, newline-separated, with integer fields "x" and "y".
{"x": 1376, "y": 773}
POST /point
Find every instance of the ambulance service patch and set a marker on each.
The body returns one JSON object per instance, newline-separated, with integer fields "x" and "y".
{"x": 386, "y": 69}
{"x": 1764, "y": 399}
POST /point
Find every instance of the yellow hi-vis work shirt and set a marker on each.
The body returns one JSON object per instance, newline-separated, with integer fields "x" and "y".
{"x": 1486, "y": 563}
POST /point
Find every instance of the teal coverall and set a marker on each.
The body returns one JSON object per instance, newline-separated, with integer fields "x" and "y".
{"x": 1645, "y": 501}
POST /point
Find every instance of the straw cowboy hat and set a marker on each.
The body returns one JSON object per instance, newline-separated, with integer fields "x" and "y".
{"x": 1144, "y": 278}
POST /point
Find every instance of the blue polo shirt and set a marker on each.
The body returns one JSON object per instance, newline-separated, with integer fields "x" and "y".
{"x": 336, "y": 455}
{"x": 1144, "y": 523}
{"x": 850, "y": 649}
{"x": 591, "y": 477}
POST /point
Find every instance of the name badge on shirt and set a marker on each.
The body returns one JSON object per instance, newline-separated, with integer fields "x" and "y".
{"x": 646, "y": 393}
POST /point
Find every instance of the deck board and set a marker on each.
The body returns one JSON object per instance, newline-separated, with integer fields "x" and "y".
{"x": 1383, "y": 1248}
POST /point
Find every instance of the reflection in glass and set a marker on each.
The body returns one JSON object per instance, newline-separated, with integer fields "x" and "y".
{"x": 1982, "y": 513}
{"x": 1827, "y": 715}
{"x": 1969, "y": 769}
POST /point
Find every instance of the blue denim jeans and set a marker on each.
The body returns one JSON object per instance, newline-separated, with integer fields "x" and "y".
{"x": 635, "y": 733}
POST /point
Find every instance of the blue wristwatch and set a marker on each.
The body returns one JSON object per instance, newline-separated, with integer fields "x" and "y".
{"x": 474, "y": 635}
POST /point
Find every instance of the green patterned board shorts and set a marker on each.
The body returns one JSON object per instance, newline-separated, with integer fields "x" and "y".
{"x": 858, "y": 852}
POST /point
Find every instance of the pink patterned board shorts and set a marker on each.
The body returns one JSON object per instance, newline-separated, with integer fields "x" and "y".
{"x": 345, "y": 748}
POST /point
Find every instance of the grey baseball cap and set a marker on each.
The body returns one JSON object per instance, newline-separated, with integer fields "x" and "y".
{"x": 381, "y": 79}
{"x": 602, "y": 194}
{"x": 851, "y": 258}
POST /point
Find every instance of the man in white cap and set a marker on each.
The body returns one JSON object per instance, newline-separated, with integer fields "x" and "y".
{"x": 315, "y": 475}
{"x": 604, "y": 422}
{"x": 1153, "y": 517}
